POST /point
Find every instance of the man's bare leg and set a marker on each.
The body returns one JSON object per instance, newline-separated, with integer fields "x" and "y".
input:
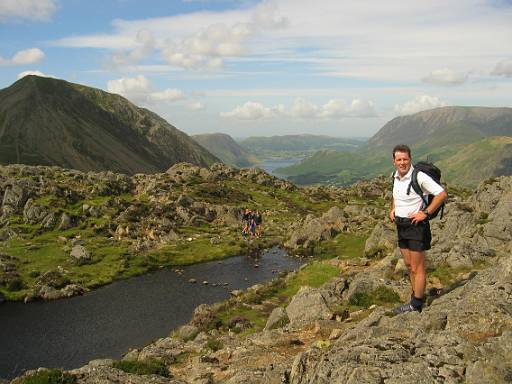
{"x": 406, "y": 254}
{"x": 419, "y": 278}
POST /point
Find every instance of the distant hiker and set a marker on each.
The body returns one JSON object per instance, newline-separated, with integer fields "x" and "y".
{"x": 252, "y": 226}
{"x": 258, "y": 219}
{"x": 411, "y": 217}
{"x": 246, "y": 217}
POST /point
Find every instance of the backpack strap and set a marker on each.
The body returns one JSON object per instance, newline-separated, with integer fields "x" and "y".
{"x": 416, "y": 187}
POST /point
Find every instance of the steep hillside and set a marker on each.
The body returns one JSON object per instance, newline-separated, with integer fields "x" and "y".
{"x": 422, "y": 125}
{"x": 225, "y": 148}
{"x": 468, "y": 143}
{"x": 46, "y": 121}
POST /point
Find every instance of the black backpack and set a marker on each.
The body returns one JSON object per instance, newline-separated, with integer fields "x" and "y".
{"x": 432, "y": 171}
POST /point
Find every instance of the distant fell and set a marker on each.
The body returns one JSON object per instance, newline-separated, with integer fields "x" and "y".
{"x": 46, "y": 121}
{"x": 469, "y": 144}
{"x": 292, "y": 144}
{"x": 225, "y": 148}
{"x": 417, "y": 127}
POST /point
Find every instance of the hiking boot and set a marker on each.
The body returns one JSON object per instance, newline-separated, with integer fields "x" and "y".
{"x": 405, "y": 308}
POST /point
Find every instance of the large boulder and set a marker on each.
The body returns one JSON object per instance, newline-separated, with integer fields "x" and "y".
{"x": 33, "y": 213}
{"x": 15, "y": 197}
{"x": 315, "y": 229}
{"x": 80, "y": 255}
{"x": 382, "y": 241}
{"x": 310, "y": 304}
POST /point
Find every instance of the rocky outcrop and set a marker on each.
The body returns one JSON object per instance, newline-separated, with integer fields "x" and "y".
{"x": 315, "y": 229}
{"x": 447, "y": 342}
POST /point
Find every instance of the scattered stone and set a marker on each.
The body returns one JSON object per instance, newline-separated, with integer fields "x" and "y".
{"x": 80, "y": 255}
{"x": 192, "y": 280}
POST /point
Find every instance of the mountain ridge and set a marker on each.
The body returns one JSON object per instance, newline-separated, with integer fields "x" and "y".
{"x": 47, "y": 121}
{"x": 447, "y": 136}
{"x": 226, "y": 148}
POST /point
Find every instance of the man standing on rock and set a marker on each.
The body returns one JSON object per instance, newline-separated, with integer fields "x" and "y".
{"x": 411, "y": 217}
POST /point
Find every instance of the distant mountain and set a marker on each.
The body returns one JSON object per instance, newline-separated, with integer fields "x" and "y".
{"x": 225, "y": 148}
{"x": 469, "y": 144}
{"x": 46, "y": 121}
{"x": 298, "y": 143}
{"x": 475, "y": 121}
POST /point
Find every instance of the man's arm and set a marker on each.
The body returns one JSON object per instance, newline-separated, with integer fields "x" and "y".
{"x": 436, "y": 203}
{"x": 392, "y": 211}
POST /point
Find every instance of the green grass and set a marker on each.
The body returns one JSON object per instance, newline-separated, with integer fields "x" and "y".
{"x": 343, "y": 246}
{"x": 47, "y": 376}
{"x": 448, "y": 275}
{"x": 379, "y": 296}
{"x": 313, "y": 275}
{"x": 147, "y": 367}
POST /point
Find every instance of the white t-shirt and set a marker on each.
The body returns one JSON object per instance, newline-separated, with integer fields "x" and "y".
{"x": 412, "y": 203}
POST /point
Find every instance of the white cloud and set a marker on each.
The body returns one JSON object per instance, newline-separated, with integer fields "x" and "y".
{"x": 420, "y": 103}
{"x": 140, "y": 90}
{"x": 333, "y": 109}
{"x": 445, "y": 76}
{"x": 167, "y": 95}
{"x": 28, "y": 56}
{"x": 503, "y": 68}
{"x": 38, "y": 10}
{"x": 179, "y": 40}
{"x": 196, "y": 106}
{"x": 249, "y": 111}
{"x": 130, "y": 86}
{"x": 304, "y": 109}
{"x": 24, "y": 57}
{"x": 145, "y": 44}
{"x": 37, "y": 73}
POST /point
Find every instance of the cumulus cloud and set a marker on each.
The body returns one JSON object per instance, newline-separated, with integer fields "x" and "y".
{"x": 37, "y": 10}
{"x": 167, "y": 95}
{"x": 196, "y": 106}
{"x": 24, "y": 57}
{"x": 140, "y": 90}
{"x": 129, "y": 86}
{"x": 445, "y": 76}
{"x": 199, "y": 40}
{"x": 304, "y": 109}
{"x": 337, "y": 108}
{"x": 207, "y": 47}
{"x": 145, "y": 44}
{"x": 249, "y": 111}
{"x": 420, "y": 103}
{"x": 28, "y": 56}
{"x": 503, "y": 68}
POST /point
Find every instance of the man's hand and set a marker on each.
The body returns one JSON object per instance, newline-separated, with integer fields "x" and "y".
{"x": 417, "y": 217}
{"x": 392, "y": 215}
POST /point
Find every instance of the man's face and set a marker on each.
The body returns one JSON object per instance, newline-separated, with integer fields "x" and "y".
{"x": 402, "y": 163}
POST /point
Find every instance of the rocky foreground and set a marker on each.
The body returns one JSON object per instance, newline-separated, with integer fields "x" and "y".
{"x": 344, "y": 332}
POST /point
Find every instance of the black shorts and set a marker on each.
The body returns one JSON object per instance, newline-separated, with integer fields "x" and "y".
{"x": 415, "y": 237}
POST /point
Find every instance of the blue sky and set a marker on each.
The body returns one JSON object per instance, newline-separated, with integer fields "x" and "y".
{"x": 334, "y": 67}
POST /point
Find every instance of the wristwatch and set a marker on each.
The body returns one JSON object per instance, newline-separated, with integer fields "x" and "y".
{"x": 426, "y": 212}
